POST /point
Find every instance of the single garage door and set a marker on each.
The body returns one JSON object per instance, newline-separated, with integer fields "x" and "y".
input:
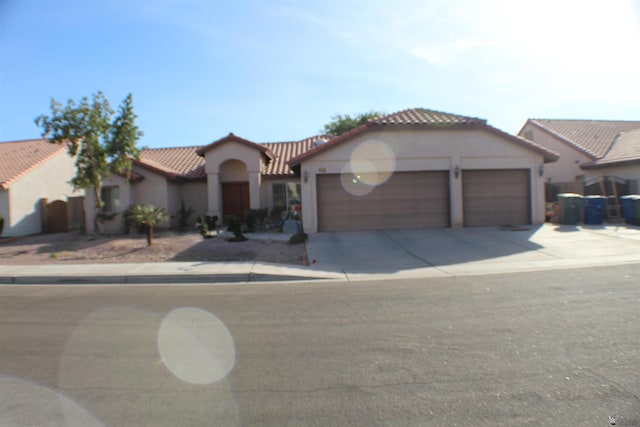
{"x": 405, "y": 200}
{"x": 496, "y": 197}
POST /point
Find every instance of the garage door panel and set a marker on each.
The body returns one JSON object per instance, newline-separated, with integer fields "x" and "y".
{"x": 496, "y": 197}
{"x": 406, "y": 200}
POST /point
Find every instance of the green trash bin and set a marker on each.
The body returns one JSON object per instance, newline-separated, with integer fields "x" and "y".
{"x": 636, "y": 211}
{"x": 570, "y": 208}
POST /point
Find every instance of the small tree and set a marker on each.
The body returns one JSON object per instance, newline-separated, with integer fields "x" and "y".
{"x": 147, "y": 215}
{"x": 102, "y": 143}
{"x": 340, "y": 124}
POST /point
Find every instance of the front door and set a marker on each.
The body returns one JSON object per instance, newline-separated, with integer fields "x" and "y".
{"x": 235, "y": 198}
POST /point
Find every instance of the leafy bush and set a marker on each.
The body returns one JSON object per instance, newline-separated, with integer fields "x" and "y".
{"x": 204, "y": 225}
{"x": 148, "y": 215}
{"x": 234, "y": 225}
{"x": 1, "y": 224}
{"x": 211, "y": 221}
{"x": 298, "y": 238}
{"x": 184, "y": 214}
{"x": 255, "y": 217}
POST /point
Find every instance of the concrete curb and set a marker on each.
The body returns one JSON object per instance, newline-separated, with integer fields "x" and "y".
{"x": 153, "y": 279}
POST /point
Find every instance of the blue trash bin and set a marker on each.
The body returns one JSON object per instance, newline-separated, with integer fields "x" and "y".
{"x": 628, "y": 207}
{"x": 594, "y": 209}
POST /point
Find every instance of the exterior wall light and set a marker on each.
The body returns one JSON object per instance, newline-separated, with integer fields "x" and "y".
{"x": 541, "y": 170}
{"x": 456, "y": 171}
{"x": 305, "y": 176}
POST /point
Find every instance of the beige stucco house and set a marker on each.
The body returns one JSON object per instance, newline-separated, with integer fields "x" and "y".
{"x": 35, "y": 190}
{"x": 414, "y": 168}
{"x": 589, "y": 150}
{"x": 422, "y": 168}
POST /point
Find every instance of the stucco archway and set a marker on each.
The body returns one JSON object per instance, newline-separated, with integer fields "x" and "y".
{"x": 234, "y": 187}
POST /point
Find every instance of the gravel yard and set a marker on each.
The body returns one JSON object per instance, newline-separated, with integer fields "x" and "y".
{"x": 76, "y": 248}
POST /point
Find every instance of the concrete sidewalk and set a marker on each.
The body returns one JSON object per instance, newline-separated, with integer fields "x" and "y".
{"x": 377, "y": 255}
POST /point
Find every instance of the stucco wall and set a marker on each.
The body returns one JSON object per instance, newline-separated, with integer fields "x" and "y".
{"x": 567, "y": 168}
{"x": 49, "y": 180}
{"x": 252, "y": 159}
{"x": 194, "y": 195}
{"x": 411, "y": 150}
{"x": 4, "y": 206}
{"x": 115, "y": 225}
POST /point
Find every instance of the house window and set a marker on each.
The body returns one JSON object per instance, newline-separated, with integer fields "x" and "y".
{"x": 286, "y": 196}
{"x": 110, "y": 199}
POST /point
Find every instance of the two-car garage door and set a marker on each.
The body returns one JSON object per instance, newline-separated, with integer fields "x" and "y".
{"x": 421, "y": 200}
{"x": 405, "y": 200}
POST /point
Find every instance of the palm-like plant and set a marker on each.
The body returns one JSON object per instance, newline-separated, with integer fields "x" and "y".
{"x": 148, "y": 215}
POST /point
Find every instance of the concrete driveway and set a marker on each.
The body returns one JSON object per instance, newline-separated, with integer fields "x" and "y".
{"x": 481, "y": 250}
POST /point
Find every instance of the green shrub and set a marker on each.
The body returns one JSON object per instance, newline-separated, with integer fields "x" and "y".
{"x": 298, "y": 238}
{"x": 203, "y": 227}
{"x": 1, "y": 224}
{"x": 184, "y": 214}
{"x": 234, "y": 225}
{"x": 211, "y": 221}
{"x": 205, "y": 224}
{"x": 254, "y": 218}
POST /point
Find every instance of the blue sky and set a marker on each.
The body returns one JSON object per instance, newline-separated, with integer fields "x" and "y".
{"x": 279, "y": 70}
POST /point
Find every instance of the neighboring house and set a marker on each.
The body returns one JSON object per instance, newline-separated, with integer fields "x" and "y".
{"x": 590, "y": 151}
{"x": 35, "y": 190}
{"x": 414, "y": 168}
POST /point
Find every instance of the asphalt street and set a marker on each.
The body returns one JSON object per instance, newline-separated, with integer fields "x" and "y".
{"x": 536, "y": 348}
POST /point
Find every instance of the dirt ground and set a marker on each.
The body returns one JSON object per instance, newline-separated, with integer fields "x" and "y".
{"x": 76, "y": 248}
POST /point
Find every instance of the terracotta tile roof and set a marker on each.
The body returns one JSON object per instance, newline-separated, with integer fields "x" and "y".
{"x": 425, "y": 118}
{"x": 285, "y": 151}
{"x": 593, "y": 137}
{"x": 187, "y": 162}
{"x": 20, "y": 157}
{"x": 624, "y": 150}
{"x": 174, "y": 163}
{"x": 234, "y": 138}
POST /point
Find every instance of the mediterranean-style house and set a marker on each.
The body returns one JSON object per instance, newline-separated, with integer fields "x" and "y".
{"x": 592, "y": 153}
{"x": 414, "y": 168}
{"x": 35, "y": 190}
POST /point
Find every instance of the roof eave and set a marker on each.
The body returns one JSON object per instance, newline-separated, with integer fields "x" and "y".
{"x": 602, "y": 165}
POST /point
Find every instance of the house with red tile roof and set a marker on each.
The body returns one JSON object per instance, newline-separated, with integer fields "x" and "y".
{"x": 589, "y": 150}
{"x": 34, "y": 173}
{"x": 414, "y": 168}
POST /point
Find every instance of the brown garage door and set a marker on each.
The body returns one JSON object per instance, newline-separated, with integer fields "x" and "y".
{"x": 405, "y": 200}
{"x": 496, "y": 197}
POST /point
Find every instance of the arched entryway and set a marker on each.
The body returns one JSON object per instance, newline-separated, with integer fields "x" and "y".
{"x": 234, "y": 180}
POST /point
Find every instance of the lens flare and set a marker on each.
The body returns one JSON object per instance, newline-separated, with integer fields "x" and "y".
{"x": 371, "y": 164}
{"x": 196, "y": 346}
{"x": 23, "y": 403}
{"x": 374, "y": 160}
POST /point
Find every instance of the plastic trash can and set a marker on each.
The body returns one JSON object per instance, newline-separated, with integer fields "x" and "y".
{"x": 628, "y": 202}
{"x": 636, "y": 211}
{"x": 594, "y": 209}
{"x": 570, "y": 208}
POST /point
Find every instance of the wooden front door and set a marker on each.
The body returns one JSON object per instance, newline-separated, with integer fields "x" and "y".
{"x": 57, "y": 220}
{"x": 235, "y": 198}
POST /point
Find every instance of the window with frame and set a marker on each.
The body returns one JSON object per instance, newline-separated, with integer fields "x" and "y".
{"x": 286, "y": 195}
{"x": 110, "y": 199}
